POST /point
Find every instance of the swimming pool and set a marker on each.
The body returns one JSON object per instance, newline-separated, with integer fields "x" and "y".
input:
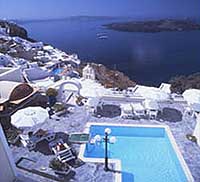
{"x": 146, "y": 153}
{"x": 57, "y": 71}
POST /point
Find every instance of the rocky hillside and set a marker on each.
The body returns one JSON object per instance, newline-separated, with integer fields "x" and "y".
{"x": 181, "y": 83}
{"x": 155, "y": 26}
{"x": 15, "y": 30}
{"x": 110, "y": 78}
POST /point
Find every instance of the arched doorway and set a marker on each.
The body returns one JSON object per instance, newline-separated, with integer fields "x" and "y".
{"x": 67, "y": 89}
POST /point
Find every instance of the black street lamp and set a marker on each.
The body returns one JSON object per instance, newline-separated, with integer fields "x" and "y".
{"x": 106, "y": 152}
{"x": 107, "y": 131}
{"x": 107, "y": 140}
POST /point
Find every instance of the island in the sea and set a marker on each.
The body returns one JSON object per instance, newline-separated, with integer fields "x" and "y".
{"x": 155, "y": 26}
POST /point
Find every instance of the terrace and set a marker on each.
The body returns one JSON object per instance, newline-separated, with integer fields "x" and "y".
{"x": 94, "y": 171}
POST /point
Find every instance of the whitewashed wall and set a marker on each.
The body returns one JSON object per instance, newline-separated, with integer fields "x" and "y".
{"x": 13, "y": 74}
{"x": 7, "y": 167}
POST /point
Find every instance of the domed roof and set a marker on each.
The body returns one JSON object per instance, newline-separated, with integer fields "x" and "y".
{"x": 14, "y": 91}
{"x": 21, "y": 91}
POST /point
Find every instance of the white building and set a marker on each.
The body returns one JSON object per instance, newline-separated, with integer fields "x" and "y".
{"x": 74, "y": 58}
{"x": 19, "y": 40}
{"x": 46, "y": 58}
{"x": 88, "y": 72}
{"x": 165, "y": 87}
{"x": 27, "y": 44}
{"x": 48, "y": 48}
{"x": 11, "y": 74}
{"x": 5, "y": 38}
{"x": 152, "y": 93}
{"x": 7, "y": 168}
{"x": 36, "y": 45}
{"x": 178, "y": 98}
{"x": 34, "y": 72}
{"x": 4, "y": 59}
{"x": 197, "y": 130}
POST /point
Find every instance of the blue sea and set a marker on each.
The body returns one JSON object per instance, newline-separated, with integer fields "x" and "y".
{"x": 147, "y": 58}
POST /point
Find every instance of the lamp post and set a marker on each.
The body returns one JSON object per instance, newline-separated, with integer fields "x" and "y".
{"x": 107, "y": 132}
{"x": 107, "y": 140}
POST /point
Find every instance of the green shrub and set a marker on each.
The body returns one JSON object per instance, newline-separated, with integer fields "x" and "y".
{"x": 51, "y": 92}
{"x": 55, "y": 164}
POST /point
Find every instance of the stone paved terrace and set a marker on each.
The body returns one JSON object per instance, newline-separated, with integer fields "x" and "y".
{"x": 77, "y": 120}
{"x": 88, "y": 172}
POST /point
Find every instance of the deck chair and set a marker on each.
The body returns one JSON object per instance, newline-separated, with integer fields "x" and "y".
{"x": 24, "y": 139}
{"x": 62, "y": 152}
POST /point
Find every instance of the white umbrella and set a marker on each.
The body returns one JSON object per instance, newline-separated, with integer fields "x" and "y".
{"x": 192, "y": 96}
{"x": 29, "y": 117}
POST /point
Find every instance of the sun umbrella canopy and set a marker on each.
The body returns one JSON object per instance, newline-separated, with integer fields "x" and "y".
{"x": 192, "y": 96}
{"x": 29, "y": 117}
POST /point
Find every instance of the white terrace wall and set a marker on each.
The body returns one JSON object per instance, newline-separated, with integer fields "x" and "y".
{"x": 10, "y": 74}
{"x": 7, "y": 167}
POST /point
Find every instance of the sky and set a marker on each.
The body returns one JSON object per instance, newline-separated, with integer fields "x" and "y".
{"x": 48, "y": 9}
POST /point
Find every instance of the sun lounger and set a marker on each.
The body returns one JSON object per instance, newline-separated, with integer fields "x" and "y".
{"x": 24, "y": 139}
{"x": 62, "y": 151}
{"x": 79, "y": 138}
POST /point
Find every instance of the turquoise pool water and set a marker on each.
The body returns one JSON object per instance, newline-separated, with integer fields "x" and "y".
{"x": 146, "y": 154}
{"x": 57, "y": 71}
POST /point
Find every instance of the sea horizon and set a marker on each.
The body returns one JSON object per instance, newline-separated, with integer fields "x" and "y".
{"x": 100, "y": 90}
{"x": 134, "y": 18}
{"x": 147, "y": 58}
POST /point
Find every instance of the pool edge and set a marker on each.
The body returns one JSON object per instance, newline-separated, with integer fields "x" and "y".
{"x": 117, "y": 162}
{"x": 179, "y": 155}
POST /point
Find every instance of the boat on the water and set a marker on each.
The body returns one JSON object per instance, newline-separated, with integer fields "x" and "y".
{"x": 101, "y": 34}
{"x": 103, "y": 37}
